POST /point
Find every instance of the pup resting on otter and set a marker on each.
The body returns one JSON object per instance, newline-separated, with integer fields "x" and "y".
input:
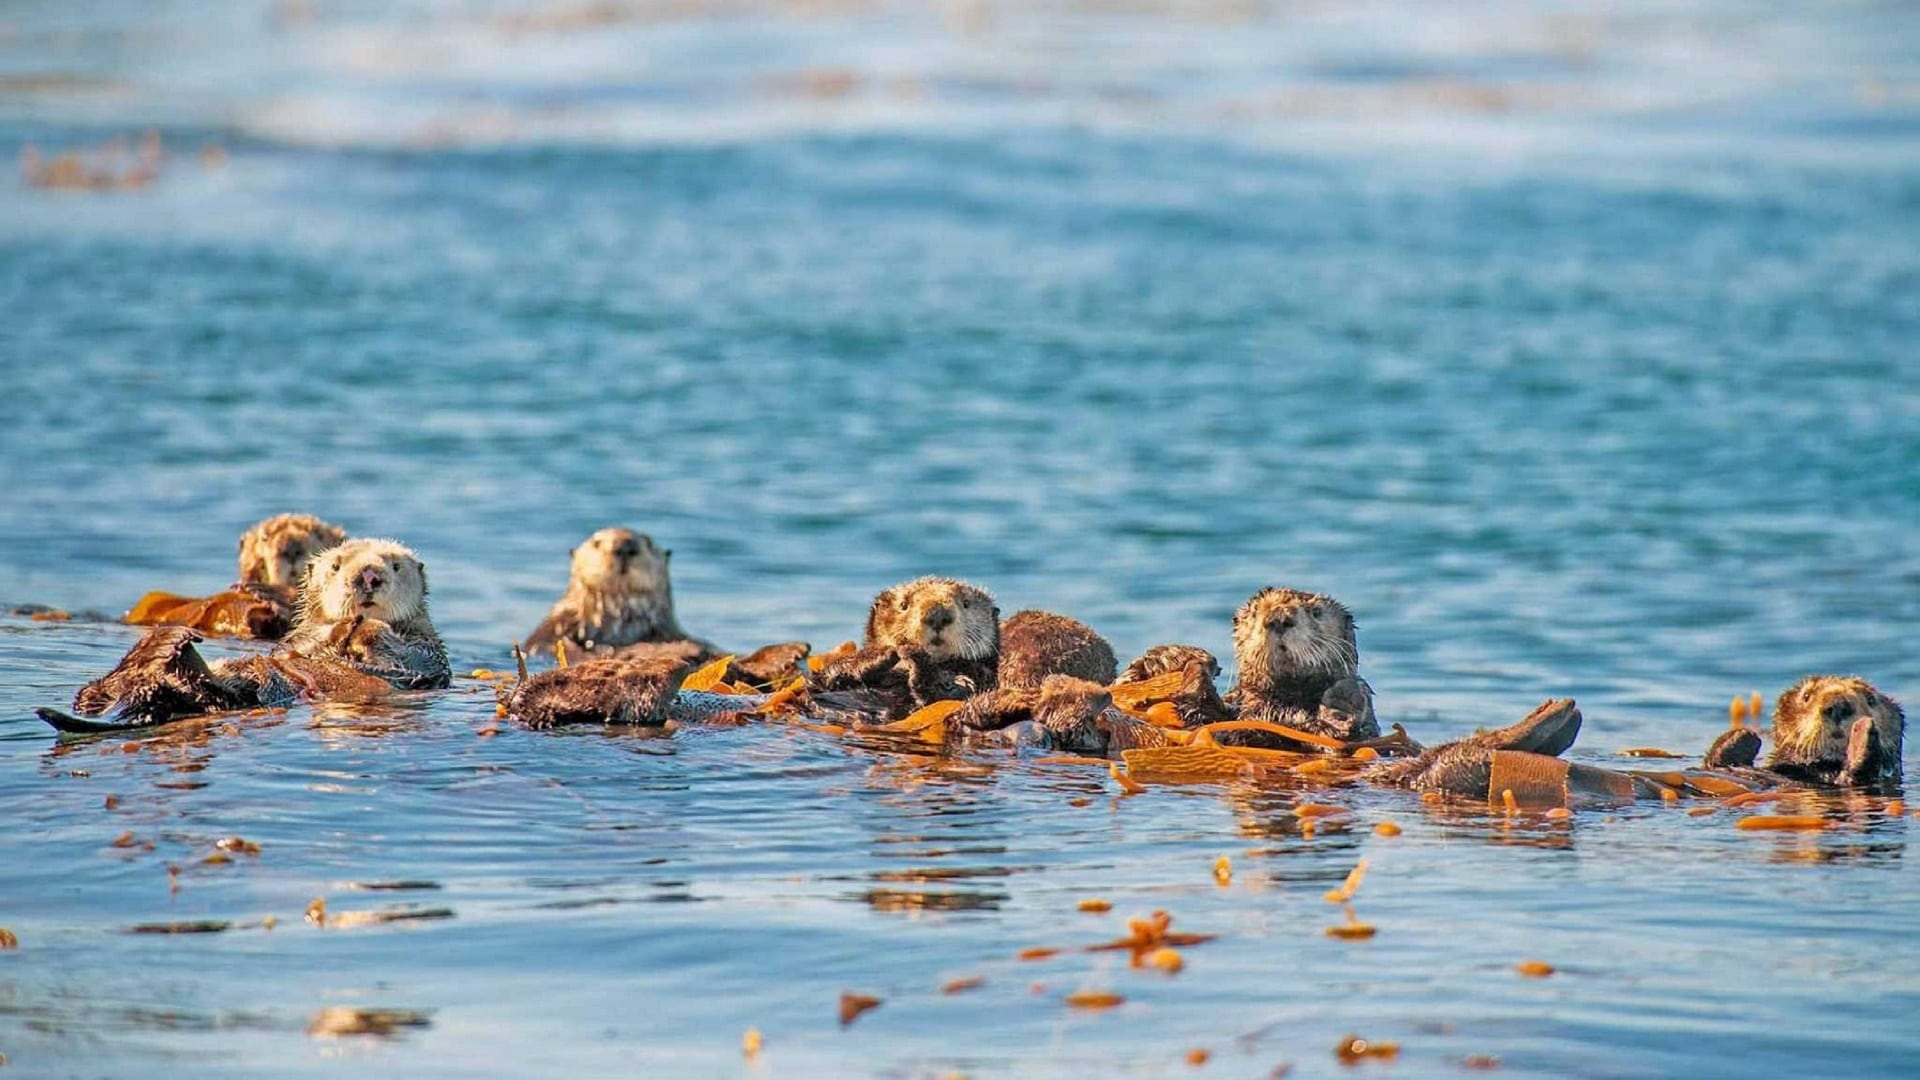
{"x": 361, "y": 628}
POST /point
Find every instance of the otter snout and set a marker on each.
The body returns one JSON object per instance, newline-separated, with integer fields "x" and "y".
{"x": 369, "y": 580}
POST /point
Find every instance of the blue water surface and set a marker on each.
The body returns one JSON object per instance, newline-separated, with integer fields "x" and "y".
{"x": 1571, "y": 345}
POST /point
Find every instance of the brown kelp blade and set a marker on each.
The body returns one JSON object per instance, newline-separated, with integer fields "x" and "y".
{"x": 930, "y": 722}
{"x": 709, "y": 675}
{"x": 1134, "y": 697}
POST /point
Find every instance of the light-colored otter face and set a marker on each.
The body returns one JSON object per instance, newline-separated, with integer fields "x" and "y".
{"x": 1812, "y": 720}
{"x": 278, "y": 550}
{"x": 1286, "y": 633}
{"x": 620, "y": 561}
{"x": 950, "y": 619}
{"x": 380, "y": 579}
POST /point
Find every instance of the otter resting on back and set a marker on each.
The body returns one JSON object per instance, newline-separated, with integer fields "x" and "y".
{"x": 365, "y": 602}
{"x": 1298, "y": 659}
{"x": 931, "y": 639}
{"x": 1834, "y": 730}
{"x": 1828, "y": 731}
{"x": 274, "y": 555}
{"x": 361, "y": 629}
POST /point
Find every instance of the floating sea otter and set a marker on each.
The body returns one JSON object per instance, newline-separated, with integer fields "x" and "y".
{"x": 274, "y": 555}
{"x": 619, "y": 601}
{"x": 931, "y": 639}
{"x": 928, "y": 640}
{"x": 361, "y": 630}
{"x": 1827, "y": 729}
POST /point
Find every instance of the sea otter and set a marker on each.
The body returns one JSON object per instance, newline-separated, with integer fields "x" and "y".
{"x": 1063, "y": 713}
{"x": 1036, "y": 644}
{"x": 1297, "y": 656}
{"x": 274, "y": 555}
{"x": 931, "y": 639}
{"x": 361, "y": 631}
{"x": 276, "y": 552}
{"x": 619, "y": 601}
{"x": 606, "y": 690}
{"x": 619, "y": 592}
{"x": 1832, "y": 730}
{"x": 365, "y": 602}
{"x": 1197, "y": 698}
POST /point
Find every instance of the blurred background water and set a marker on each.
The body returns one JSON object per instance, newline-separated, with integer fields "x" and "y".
{"x": 1572, "y": 345}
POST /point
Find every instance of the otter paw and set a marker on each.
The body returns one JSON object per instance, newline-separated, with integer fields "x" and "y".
{"x": 1865, "y": 754}
{"x": 1736, "y": 748}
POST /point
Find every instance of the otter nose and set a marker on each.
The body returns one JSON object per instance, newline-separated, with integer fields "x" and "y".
{"x": 370, "y": 579}
{"x": 939, "y": 618}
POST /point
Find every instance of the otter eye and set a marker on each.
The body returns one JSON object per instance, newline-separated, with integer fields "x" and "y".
{"x": 336, "y": 562}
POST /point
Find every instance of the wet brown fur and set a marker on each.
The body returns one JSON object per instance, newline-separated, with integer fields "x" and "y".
{"x": 1036, "y": 644}
{"x": 1298, "y": 656}
{"x": 931, "y": 639}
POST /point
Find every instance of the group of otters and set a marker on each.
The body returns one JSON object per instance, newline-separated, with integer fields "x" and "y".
{"x": 350, "y": 616}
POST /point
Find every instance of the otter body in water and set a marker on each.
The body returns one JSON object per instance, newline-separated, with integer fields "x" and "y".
{"x": 931, "y": 639}
{"x": 365, "y": 603}
{"x": 619, "y": 602}
{"x": 1197, "y": 699}
{"x": 1298, "y": 661}
{"x": 1833, "y": 730}
{"x": 1036, "y": 644}
{"x": 274, "y": 555}
{"x": 361, "y": 631}
{"x": 619, "y": 592}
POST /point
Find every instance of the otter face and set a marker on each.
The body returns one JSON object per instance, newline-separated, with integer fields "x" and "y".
{"x": 1286, "y": 632}
{"x": 1813, "y": 719}
{"x": 379, "y": 579}
{"x": 278, "y": 550}
{"x": 620, "y": 560}
{"x": 1069, "y": 702}
{"x": 950, "y": 619}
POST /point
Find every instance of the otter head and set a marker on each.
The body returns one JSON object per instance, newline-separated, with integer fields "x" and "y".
{"x": 950, "y": 619}
{"x": 1814, "y": 719}
{"x": 278, "y": 550}
{"x": 621, "y": 561}
{"x": 379, "y": 579}
{"x": 1067, "y": 702}
{"x": 1288, "y": 634}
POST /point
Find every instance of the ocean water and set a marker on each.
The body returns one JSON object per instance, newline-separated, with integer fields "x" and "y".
{"x": 1573, "y": 346}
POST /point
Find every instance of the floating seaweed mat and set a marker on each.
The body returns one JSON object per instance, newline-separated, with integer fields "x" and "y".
{"x": 707, "y": 676}
{"x": 1173, "y": 764}
{"x": 1696, "y": 783}
{"x": 234, "y": 613}
{"x": 786, "y": 697}
{"x": 930, "y": 723}
{"x": 1134, "y": 697}
{"x": 1783, "y": 821}
{"x": 1285, "y": 732}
